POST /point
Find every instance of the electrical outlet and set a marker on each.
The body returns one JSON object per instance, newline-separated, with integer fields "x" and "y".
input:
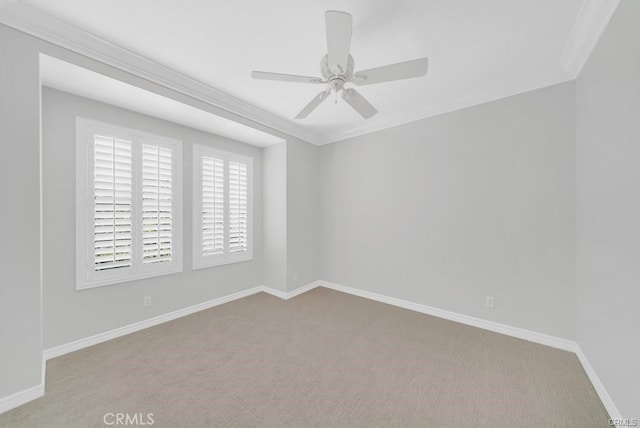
{"x": 488, "y": 301}
{"x": 147, "y": 301}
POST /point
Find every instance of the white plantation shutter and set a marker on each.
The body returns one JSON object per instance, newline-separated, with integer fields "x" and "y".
{"x": 112, "y": 231}
{"x": 128, "y": 205}
{"x": 222, "y": 207}
{"x": 212, "y": 206}
{"x": 156, "y": 204}
{"x": 238, "y": 207}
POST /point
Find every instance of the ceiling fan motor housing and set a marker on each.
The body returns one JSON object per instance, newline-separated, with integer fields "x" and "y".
{"x": 336, "y": 78}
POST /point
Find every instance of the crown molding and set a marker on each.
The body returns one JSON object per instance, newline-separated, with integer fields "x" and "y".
{"x": 591, "y": 22}
{"x": 589, "y": 25}
{"x": 505, "y": 89}
{"x": 33, "y": 21}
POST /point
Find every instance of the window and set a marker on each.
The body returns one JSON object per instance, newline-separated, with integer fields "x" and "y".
{"x": 222, "y": 221}
{"x": 128, "y": 205}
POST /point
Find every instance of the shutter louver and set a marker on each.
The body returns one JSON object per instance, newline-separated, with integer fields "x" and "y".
{"x": 112, "y": 203}
{"x": 212, "y": 206}
{"x": 238, "y": 207}
{"x": 156, "y": 204}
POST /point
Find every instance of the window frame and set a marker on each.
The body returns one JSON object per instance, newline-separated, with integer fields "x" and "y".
{"x": 86, "y": 275}
{"x": 200, "y": 261}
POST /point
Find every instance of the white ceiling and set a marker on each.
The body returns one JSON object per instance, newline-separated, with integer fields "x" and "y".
{"x": 70, "y": 78}
{"x": 478, "y": 50}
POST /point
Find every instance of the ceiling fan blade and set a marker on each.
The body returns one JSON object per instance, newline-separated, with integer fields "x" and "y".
{"x": 387, "y": 73}
{"x": 285, "y": 77}
{"x": 315, "y": 102}
{"x": 359, "y": 103}
{"x": 338, "y": 40}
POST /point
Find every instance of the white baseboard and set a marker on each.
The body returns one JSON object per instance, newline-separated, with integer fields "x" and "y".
{"x": 303, "y": 289}
{"x": 520, "y": 333}
{"x": 131, "y": 328}
{"x": 286, "y": 295}
{"x": 274, "y": 292}
{"x": 613, "y": 411}
{"x": 532, "y": 336}
{"x": 20, "y": 398}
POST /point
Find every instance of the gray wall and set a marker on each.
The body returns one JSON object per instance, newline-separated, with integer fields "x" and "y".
{"x": 447, "y": 210}
{"x": 20, "y": 257}
{"x": 302, "y": 217}
{"x": 608, "y": 221}
{"x": 71, "y": 315}
{"x": 290, "y": 214}
{"x": 20, "y": 284}
{"x": 275, "y": 216}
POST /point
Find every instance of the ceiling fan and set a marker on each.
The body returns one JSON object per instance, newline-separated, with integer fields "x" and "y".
{"x": 336, "y": 68}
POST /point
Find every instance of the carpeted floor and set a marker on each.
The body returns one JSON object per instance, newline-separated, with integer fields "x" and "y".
{"x": 322, "y": 359}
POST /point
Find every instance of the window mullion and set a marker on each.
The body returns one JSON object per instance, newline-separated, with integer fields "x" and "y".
{"x": 225, "y": 215}
{"x": 136, "y": 205}
{"x": 89, "y": 202}
{"x": 198, "y": 230}
{"x": 158, "y": 202}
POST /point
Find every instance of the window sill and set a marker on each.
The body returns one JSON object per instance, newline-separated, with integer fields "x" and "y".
{"x": 213, "y": 263}
{"x": 128, "y": 278}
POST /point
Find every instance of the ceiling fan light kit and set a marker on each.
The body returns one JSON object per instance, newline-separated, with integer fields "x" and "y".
{"x": 337, "y": 66}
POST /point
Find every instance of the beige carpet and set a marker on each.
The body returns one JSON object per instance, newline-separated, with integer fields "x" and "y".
{"x": 322, "y": 359}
